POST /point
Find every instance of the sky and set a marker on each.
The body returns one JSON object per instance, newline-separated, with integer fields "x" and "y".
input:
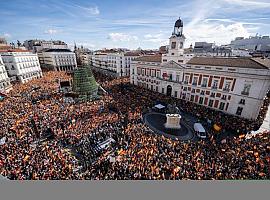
{"x": 130, "y": 24}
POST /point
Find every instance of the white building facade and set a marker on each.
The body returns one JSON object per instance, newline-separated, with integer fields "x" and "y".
{"x": 58, "y": 59}
{"x": 5, "y": 84}
{"x": 117, "y": 63}
{"x": 21, "y": 65}
{"x": 236, "y": 86}
{"x": 260, "y": 43}
{"x": 39, "y": 45}
{"x": 176, "y": 46}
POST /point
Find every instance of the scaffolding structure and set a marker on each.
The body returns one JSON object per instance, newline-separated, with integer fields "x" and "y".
{"x": 84, "y": 83}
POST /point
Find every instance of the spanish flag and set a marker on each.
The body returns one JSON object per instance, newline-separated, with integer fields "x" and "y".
{"x": 26, "y": 158}
{"x": 216, "y": 127}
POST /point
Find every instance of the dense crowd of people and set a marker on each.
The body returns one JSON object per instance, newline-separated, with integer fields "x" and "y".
{"x": 135, "y": 153}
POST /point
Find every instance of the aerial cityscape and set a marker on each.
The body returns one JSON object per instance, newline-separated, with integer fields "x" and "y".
{"x": 91, "y": 91}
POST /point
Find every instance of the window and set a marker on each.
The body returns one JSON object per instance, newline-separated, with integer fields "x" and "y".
{"x": 212, "y": 95}
{"x": 195, "y": 80}
{"x": 223, "y": 97}
{"x": 246, "y": 89}
{"x": 242, "y": 101}
{"x": 172, "y": 54}
{"x": 163, "y": 90}
{"x": 173, "y": 45}
{"x": 152, "y": 72}
{"x": 215, "y": 84}
{"x": 170, "y": 76}
{"x": 201, "y": 100}
{"x": 227, "y": 86}
{"x": 164, "y": 60}
{"x": 186, "y": 79}
{"x": 221, "y": 106}
{"x": 202, "y": 92}
{"x": 184, "y": 96}
{"x": 193, "y": 91}
{"x": 175, "y": 93}
{"x": 152, "y": 88}
{"x": 180, "y": 61}
{"x": 192, "y": 98}
{"x": 157, "y": 88}
{"x": 177, "y": 78}
{"x": 211, "y": 103}
{"x": 239, "y": 110}
{"x": 204, "y": 82}
{"x": 158, "y": 74}
{"x": 139, "y": 71}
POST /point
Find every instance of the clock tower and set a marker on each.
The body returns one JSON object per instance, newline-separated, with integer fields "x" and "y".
{"x": 176, "y": 46}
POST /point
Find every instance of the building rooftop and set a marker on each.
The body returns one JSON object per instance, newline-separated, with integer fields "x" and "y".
{"x": 133, "y": 53}
{"x": 57, "y": 50}
{"x": 152, "y": 58}
{"x": 229, "y": 62}
{"x": 13, "y": 50}
{"x": 262, "y": 61}
{"x": 171, "y": 65}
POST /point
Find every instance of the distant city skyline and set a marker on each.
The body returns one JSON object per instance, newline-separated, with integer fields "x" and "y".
{"x": 127, "y": 24}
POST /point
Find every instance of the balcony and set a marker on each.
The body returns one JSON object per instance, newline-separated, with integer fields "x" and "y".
{"x": 245, "y": 93}
{"x": 169, "y": 80}
{"x": 226, "y": 89}
{"x": 223, "y": 98}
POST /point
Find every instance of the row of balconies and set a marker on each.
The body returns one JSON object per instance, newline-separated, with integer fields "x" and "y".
{"x": 205, "y": 85}
{"x": 224, "y": 97}
{"x": 195, "y": 84}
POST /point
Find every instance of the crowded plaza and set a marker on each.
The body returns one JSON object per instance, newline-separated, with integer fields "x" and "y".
{"x": 106, "y": 139}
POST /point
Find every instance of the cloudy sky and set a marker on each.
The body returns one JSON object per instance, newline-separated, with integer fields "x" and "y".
{"x": 132, "y": 24}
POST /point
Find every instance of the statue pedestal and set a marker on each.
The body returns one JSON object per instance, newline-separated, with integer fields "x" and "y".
{"x": 173, "y": 121}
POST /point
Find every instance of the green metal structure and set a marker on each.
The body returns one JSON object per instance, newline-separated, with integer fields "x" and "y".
{"x": 84, "y": 83}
